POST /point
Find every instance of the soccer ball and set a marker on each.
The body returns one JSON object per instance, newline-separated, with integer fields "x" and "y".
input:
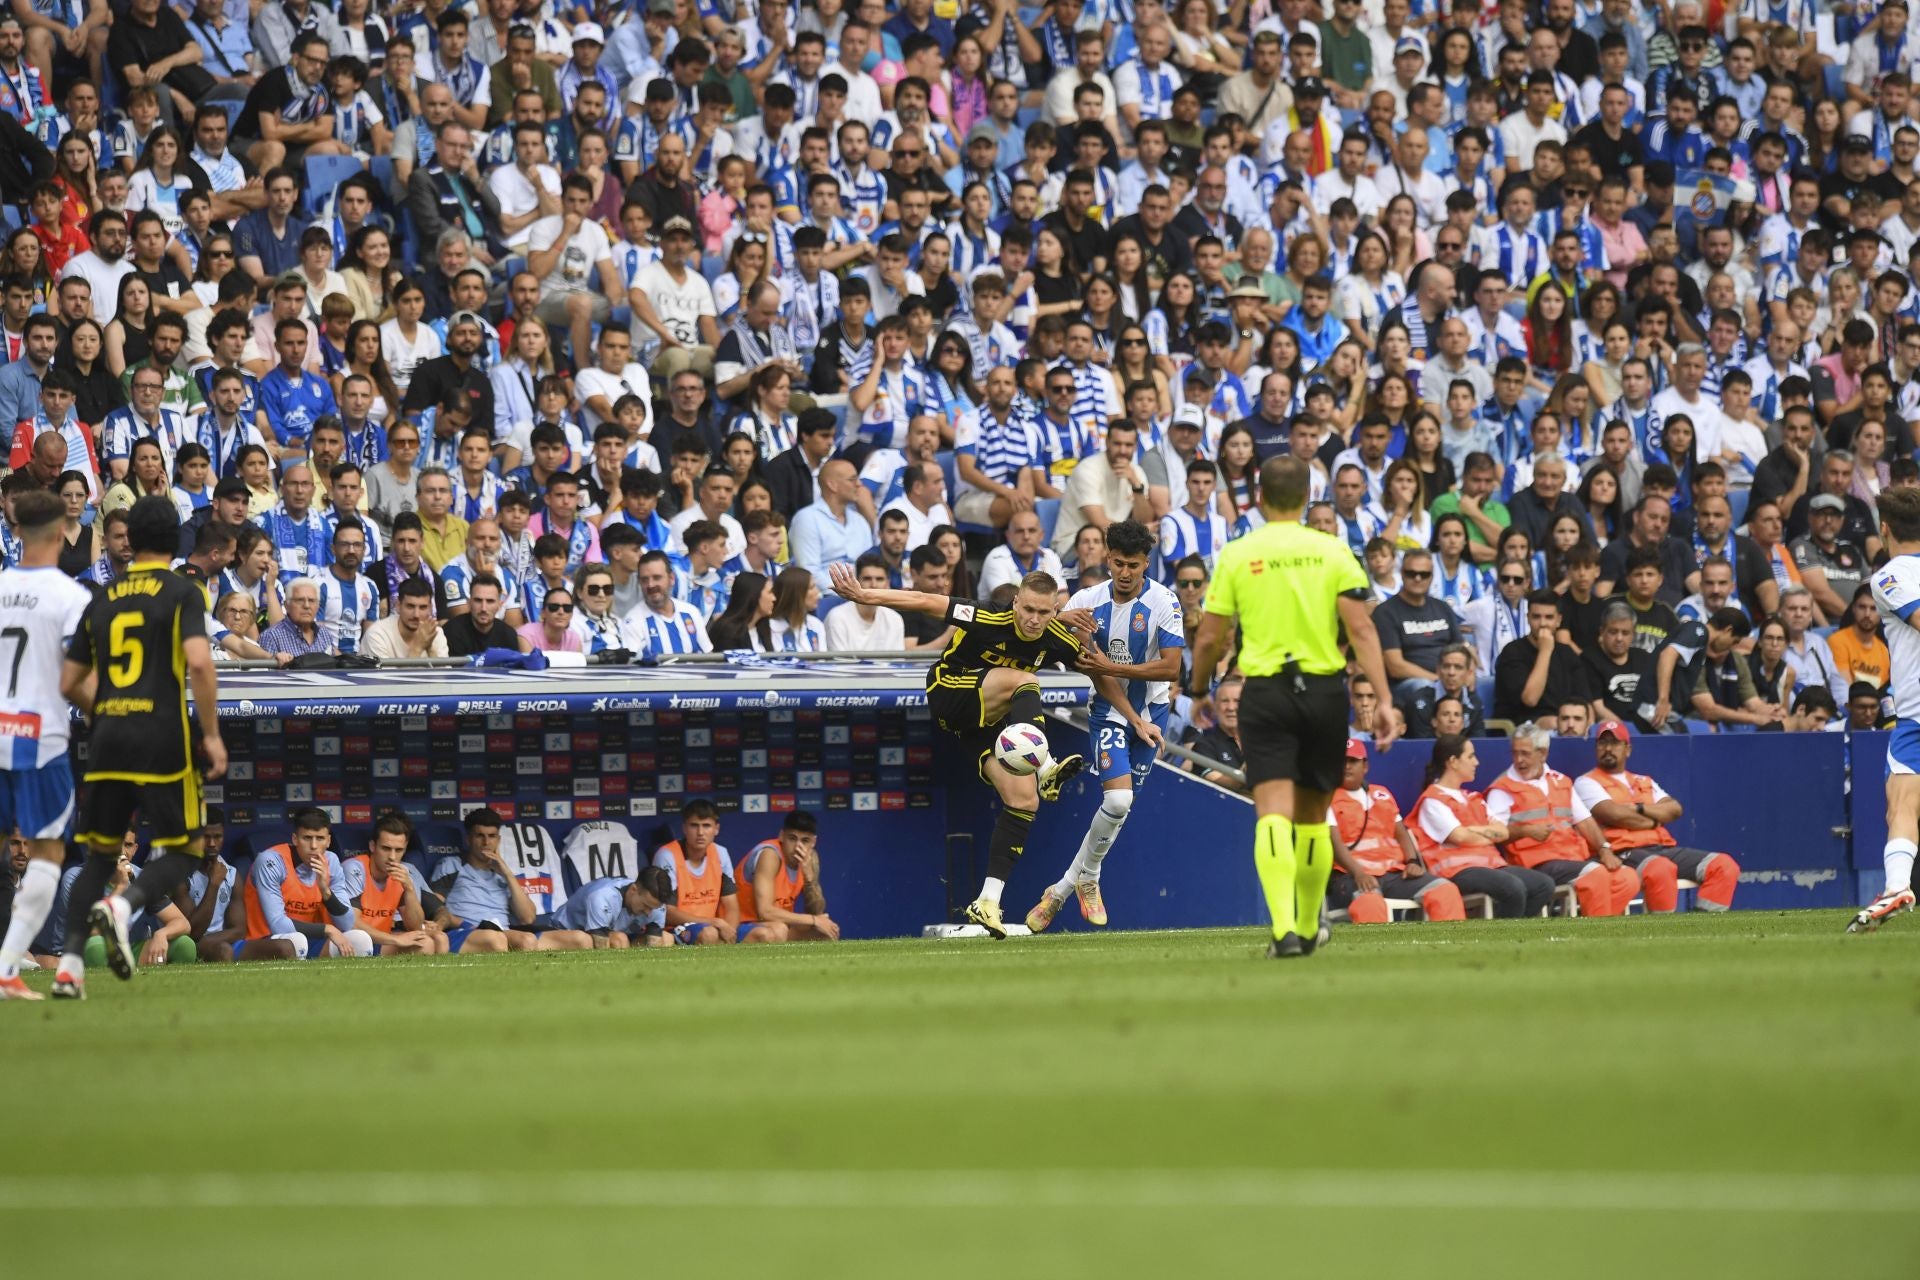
{"x": 1022, "y": 748}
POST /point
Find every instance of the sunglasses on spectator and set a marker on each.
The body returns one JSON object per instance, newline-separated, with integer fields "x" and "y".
{"x": 901, "y": 153}
{"x": 597, "y": 589}
{"x": 1693, "y": 44}
{"x": 1133, "y": 342}
{"x": 219, "y": 253}
{"x": 1417, "y": 575}
{"x": 559, "y": 608}
{"x": 1508, "y": 579}
{"x": 1190, "y": 584}
{"x": 1060, "y": 388}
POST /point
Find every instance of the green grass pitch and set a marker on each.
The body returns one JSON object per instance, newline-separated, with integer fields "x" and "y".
{"x": 1698, "y": 1096}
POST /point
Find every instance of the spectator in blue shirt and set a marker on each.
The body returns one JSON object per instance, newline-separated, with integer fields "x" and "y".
{"x": 292, "y": 398}
{"x": 268, "y": 240}
{"x": 831, "y": 530}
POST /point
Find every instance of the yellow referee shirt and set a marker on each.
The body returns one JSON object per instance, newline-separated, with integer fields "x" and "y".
{"x": 1282, "y": 581}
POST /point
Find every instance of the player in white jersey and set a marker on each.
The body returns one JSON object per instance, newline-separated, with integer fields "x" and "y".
{"x": 1896, "y": 590}
{"x": 1137, "y": 638}
{"x": 40, "y": 609}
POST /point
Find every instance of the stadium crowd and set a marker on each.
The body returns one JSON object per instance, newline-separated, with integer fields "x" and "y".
{"x": 606, "y": 329}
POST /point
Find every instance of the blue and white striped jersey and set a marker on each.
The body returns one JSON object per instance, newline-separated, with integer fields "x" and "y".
{"x": 1132, "y": 632}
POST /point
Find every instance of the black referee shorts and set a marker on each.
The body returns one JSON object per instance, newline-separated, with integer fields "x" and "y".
{"x": 1294, "y": 731}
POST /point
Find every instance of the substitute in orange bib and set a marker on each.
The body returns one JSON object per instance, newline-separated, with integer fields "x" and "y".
{"x": 293, "y": 900}
{"x": 1550, "y": 829}
{"x": 386, "y": 902}
{"x": 777, "y": 873}
{"x": 1633, "y": 811}
{"x": 1458, "y": 840}
{"x": 1374, "y": 854}
{"x": 706, "y": 905}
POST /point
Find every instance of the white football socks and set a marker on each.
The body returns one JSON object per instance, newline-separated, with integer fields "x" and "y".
{"x": 1898, "y": 858}
{"x": 1101, "y": 833}
{"x": 31, "y": 902}
{"x": 991, "y": 889}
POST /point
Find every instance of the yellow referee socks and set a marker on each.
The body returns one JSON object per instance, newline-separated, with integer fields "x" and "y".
{"x": 1275, "y": 860}
{"x": 1313, "y": 851}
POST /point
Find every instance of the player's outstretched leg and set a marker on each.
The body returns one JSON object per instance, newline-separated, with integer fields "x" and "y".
{"x": 1023, "y": 703}
{"x": 96, "y": 873}
{"x": 1903, "y": 822}
{"x": 32, "y": 902}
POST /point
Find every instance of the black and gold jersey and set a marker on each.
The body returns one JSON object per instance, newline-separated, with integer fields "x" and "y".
{"x": 133, "y": 635}
{"x": 987, "y": 638}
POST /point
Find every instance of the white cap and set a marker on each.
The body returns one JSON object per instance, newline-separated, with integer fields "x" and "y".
{"x": 583, "y": 31}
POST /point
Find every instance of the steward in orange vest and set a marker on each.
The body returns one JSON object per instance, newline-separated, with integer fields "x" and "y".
{"x": 1633, "y": 811}
{"x": 1457, "y": 839}
{"x": 1374, "y": 855}
{"x": 1550, "y": 830}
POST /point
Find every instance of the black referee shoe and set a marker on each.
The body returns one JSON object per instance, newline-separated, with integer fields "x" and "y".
{"x": 1286, "y": 947}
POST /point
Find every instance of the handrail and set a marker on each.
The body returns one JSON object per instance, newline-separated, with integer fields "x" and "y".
{"x": 1174, "y": 749}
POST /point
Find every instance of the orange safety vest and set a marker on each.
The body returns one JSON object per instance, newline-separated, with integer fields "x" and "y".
{"x": 1548, "y": 799}
{"x": 302, "y": 901}
{"x": 379, "y": 906}
{"x": 1630, "y": 789}
{"x": 699, "y": 894}
{"x": 1368, "y": 833}
{"x": 1449, "y": 860}
{"x": 787, "y": 881}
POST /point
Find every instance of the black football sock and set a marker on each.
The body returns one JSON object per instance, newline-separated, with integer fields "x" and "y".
{"x": 1024, "y": 705}
{"x": 159, "y": 879}
{"x": 1009, "y": 842}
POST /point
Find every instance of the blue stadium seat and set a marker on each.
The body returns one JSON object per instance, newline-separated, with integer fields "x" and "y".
{"x": 324, "y": 173}
{"x": 1026, "y": 116}
{"x": 1048, "y": 509}
{"x": 380, "y": 168}
{"x": 11, "y": 216}
{"x": 950, "y": 469}
{"x": 1737, "y": 500}
{"x": 1483, "y": 690}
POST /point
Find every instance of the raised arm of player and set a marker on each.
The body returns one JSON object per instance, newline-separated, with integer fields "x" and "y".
{"x": 848, "y": 587}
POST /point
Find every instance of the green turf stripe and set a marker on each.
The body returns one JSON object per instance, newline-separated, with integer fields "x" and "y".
{"x": 1437, "y": 1189}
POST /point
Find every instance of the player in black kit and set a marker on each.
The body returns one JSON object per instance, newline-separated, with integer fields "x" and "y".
{"x": 140, "y": 644}
{"x": 983, "y": 683}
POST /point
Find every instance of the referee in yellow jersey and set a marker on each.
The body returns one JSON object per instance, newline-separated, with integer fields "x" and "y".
{"x": 1292, "y": 589}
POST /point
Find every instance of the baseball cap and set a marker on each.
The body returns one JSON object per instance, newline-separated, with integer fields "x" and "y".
{"x": 676, "y": 225}
{"x": 232, "y": 487}
{"x": 1744, "y": 192}
{"x": 1410, "y": 44}
{"x": 1191, "y": 415}
{"x": 982, "y": 133}
{"x": 1356, "y": 749}
{"x": 1612, "y": 729}
{"x": 1309, "y": 87}
{"x": 1248, "y": 288}
{"x": 588, "y": 32}
{"x": 1827, "y": 502}
{"x": 466, "y": 317}
{"x": 662, "y": 8}
{"x": 1857, "y": 142}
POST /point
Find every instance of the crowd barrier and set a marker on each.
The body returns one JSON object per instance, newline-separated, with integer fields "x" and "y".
{"x": 904, "y": 824}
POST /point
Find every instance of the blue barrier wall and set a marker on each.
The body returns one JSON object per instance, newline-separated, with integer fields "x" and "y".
{"x": 895, "y": 862}
{"x": 1779, "y": 804}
